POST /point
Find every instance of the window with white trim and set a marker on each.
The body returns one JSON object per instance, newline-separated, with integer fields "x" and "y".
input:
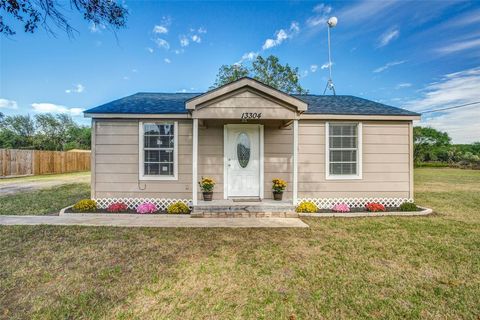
{"x": 158, "y": 154}
{"x": 343, "y": 150}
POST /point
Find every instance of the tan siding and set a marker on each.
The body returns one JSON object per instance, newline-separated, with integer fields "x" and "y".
{"x": 385, "y": 162}
{"x": 116, "y": 162}
{"x": 277, "y": 158}
{"x": 210, "y": 157}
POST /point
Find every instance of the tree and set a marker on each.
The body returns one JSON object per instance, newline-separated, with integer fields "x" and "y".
{"x": 429, "y": 144}
{"x": 32, "y": 13}
{"x": 269, "y": 71}
{"x": 227, "y": 74}
{"x": 17, "y": 131}
{"x": 43, "y": 132}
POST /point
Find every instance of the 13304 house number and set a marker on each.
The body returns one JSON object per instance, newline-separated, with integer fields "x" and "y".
{"x": 251, "y": 115}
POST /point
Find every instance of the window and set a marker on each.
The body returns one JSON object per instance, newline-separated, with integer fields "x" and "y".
{"x": 158, "y": 151}
{"x": 343, "y": 150}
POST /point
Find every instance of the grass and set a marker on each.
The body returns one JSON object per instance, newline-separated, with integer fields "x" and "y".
{"x": 44, "y": 201}
{"x": 389, "y": 267}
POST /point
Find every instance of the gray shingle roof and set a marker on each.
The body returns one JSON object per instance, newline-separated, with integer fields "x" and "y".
{"x": 174, "y": 103}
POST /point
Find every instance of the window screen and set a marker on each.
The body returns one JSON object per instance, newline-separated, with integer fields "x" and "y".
{"x": 343, "y": 149}
{"x": 159, "y": 149}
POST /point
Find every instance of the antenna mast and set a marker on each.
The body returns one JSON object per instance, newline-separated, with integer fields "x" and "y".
{"x": 332, "y": 22}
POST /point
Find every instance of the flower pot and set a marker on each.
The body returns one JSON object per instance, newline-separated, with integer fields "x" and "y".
{"x": 207, "y": 196}
{"x": 277, "y": 196}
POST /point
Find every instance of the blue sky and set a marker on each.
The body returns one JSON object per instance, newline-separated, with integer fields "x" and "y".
{"x": 417, "y": 55}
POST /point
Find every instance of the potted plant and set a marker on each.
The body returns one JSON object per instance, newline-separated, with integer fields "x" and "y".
{"x": 278, "y": 187}
{"x": 207, "y": 185}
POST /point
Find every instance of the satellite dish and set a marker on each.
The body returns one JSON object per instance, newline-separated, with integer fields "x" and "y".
{"x": 332, "y": 22}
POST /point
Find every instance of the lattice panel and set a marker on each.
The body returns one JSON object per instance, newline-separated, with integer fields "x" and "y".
{"x": 133, "y": 203}
{"x": 324, "y": 203}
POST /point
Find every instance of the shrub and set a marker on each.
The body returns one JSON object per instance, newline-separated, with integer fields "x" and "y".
{"x": 117, "y": 207}
{"x": 279, "y": 185}
{"x": 374, "y": 207}
{"x": 307, "y": 207}
{"x": 85, "y": 205}
{"x": 408, "y": 206}
{"x": 207, "y": 184}
{"x": 147, "y": 207}
{"x": 178, "y": 207}
{"x": 341, "y": 207}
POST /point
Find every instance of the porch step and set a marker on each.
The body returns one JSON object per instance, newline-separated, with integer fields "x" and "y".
{"x": 243, "y": 210}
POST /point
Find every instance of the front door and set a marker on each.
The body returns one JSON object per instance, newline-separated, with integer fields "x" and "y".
{"x": 242, "y": 160}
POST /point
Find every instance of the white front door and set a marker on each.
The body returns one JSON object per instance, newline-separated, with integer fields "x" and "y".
{"x": 243, "y": 160}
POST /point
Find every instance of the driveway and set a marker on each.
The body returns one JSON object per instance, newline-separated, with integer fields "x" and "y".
{"x": 12, "y": 186}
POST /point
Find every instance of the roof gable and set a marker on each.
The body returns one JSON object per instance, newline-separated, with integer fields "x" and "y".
{"x": 246, "y": 83}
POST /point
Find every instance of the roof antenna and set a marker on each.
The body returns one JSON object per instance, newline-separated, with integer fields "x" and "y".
{"x": 332, "y": 22}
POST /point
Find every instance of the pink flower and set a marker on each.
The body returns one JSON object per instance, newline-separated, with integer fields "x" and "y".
{"x": 341, "y": 207}
{"x": 147, "y": 207}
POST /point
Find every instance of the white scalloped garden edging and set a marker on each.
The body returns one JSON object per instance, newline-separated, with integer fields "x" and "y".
{"x": 423, "y": 212}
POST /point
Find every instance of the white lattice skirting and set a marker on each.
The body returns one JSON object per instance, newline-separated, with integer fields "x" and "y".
{"x": 323, "y": 203}
{"x": 133, "y": 203}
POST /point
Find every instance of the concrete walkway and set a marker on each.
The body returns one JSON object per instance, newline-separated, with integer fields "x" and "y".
{"x": 158, "y": 221}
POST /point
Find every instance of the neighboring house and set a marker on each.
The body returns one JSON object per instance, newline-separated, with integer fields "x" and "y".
{"x": 244, "y": 134}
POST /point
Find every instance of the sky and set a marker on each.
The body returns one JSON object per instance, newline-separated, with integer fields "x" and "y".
{"x": 420, "y": 56}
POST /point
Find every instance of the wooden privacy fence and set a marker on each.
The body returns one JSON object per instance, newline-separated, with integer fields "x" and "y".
{"x": 15, "y": 162}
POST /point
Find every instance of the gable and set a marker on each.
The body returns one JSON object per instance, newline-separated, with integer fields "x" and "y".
{"x": 245, "y": 97}
{"x": 242, "y": 104}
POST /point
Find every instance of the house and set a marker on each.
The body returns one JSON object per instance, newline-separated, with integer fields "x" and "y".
{"x": 244, "y": 134}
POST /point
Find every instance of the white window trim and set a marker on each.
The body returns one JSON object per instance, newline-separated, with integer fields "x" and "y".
{"x": 141, "y": 153}
{"x": 359, "y": 174}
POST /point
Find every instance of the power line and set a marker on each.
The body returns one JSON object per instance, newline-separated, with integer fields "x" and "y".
{"x": 449, "y": 108}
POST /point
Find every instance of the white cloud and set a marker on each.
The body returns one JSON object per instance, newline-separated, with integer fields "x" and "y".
{"x": 167, "y": 60}
{"x": 389, "y": 65}
{"x": 321, "y": 15}
{"x": 8, "y": 104}
{"x": 282, "y": 35}
{"x": 162, "y": 43}
{"x": 322, "y": 8}
{"x": 325, "y": 65}
{"x": 134, "y": 70}
{"x": 79, "y": 88}
{"x": 126, "y": 78}
{"x": 179, "y": 51}
{"x": 388, "y": 37}
{"x": 149, "y": 50}
{"x": 160, "y": 29}
{"x": 55, "y": 108}
{"x": 202, "y": 30}
{"x": 96, "y": 28}
{"x": 313, "y": 68}
{"x": 459, "y": 46}
{"x": 184, "y": 42}
{"x": 403, "y": 85}
{"x": 249, "y": 56}
{"x": 196, "y": 38}
{"x": 451, "y": 90}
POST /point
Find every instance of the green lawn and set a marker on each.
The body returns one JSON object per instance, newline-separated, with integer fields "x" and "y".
{"x": 389, "y": 267}
{"x": 44, "y": 201}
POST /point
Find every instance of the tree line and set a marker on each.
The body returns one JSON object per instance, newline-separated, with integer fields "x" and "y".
{"x": 433, "y": 147}
{"x": 43, "y": 132}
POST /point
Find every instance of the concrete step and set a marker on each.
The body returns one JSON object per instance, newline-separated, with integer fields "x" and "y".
{"x": 230, "y": 209}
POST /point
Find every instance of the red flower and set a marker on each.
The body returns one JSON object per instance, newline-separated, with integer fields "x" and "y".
{"x": 117, "y": 207}
{"x": 375, "y": 207}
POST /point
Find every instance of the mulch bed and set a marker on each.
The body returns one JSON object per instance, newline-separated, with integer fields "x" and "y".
{"x": 362, "y": 209}
{"x": 129, "y": 211}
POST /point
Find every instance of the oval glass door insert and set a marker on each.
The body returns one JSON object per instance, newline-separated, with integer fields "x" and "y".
{"x": 243, "y": 149}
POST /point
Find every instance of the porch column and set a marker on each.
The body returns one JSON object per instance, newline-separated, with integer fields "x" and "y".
{"x": 194, "y": 161}
{"x": 295, "y": 161}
